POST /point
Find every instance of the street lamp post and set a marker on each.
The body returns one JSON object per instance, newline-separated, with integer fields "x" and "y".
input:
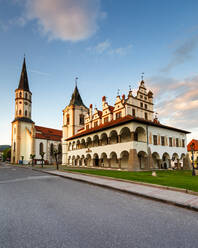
{"x": 192, "y": 146}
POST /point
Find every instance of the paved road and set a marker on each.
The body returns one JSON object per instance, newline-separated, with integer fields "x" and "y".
{"x": 43, "y": 211}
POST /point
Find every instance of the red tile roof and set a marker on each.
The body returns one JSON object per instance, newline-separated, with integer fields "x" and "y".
{"x": 48, "y": 133}
{"x": 196, "y": 145}
{"x": 121, "y": 121}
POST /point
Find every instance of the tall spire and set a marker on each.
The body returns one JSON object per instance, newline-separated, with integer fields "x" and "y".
{"x": 23, "y": 83}
{"x": 76, "y": 98}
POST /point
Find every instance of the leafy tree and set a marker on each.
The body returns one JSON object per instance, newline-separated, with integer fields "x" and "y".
{"x": 42, "y": 154}
{"x": 7, "y": 154}
{"x": 32, "y": 156}
{"x": 56, "y": 153}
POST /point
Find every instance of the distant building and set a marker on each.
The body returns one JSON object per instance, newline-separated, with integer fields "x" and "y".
{"x": 123, "y": 136}
{"x": 27, "y": 138}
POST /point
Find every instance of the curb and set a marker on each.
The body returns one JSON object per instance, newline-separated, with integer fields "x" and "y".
{"x": 187, "y": 206}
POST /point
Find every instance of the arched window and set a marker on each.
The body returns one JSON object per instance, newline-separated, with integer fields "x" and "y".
{"x": 20, "y": 94}
{"x": 20, "y": 112}
{"x": 51, "y": 149}
{"x": 60, "y": 149}
{"x": 25, "y": 95}
{"x": 41, "y": 148}
{"x": 81, "y": 119}
{"x": 25, "y": 112}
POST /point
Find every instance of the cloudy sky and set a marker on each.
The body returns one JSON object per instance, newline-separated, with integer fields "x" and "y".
{"x": 107, "y": 44}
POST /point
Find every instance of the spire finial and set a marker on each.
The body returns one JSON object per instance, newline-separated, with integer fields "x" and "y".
{"x": 76, "y": 81}
{"x": 118, "y": 92}
{"x": 129, "y": 87}
{"x": 142, "y": 77}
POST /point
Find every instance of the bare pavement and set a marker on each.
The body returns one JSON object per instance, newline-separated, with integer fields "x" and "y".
{"x": 40, "y": 210}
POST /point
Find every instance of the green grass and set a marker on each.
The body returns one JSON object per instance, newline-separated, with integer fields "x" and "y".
{"x": 178, "y": 179}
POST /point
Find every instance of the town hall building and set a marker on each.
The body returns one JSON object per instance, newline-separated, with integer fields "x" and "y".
{"x": 125, "y": 136}
{"x": 28, "y": 138}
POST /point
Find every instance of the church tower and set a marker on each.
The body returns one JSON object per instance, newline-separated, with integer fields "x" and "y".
{"x": 73, "y": 119}
{"x": 22, "y": 127}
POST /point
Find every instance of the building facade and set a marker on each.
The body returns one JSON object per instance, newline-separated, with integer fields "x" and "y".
{"x": 27, "y": 138}
{"x": 124, "y": 136}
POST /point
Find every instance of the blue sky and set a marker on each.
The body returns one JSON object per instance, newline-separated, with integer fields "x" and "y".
{"x": 107, "y": 44}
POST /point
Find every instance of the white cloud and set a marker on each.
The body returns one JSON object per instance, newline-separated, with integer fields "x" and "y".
{"x": 68, "y": 20}
{"x": 106, "y": 47}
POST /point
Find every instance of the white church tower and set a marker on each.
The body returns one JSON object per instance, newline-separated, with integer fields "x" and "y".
{"x": 73, "y": 119}
{"x": 22, "y": 142}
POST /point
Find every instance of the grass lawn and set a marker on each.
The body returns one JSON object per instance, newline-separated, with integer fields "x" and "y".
{"x": 178, "y": 179}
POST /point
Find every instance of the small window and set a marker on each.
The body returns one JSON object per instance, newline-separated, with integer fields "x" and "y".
{"x": 141, "y": 105}
{"x": 118, "y": 115}
{"x": 26, "y": 103}
{"x": 19, "y": 112}
{"x": 183, "y": 143}
{"x": 141, "y": 96}
{"x": 106, "y": 119}
{"x": 68, "y": 119}
{"x": 146, "y": 116}
{"x": 87, "y": 127}
{"x": 25, "y": 112}
{"x": 177, "y": 142}
{"x": 95, "y": 123}
{"x": 82, "y": 119}
{"x": 162, "y": 141}
{"x": 145, "y": 98}
{"x": 25, "y": 95}
{"x": 145, "y": 106}
{"x": 133, "y": 112}
{"x": 155, "y": 140}
{"x": 20, "y": 102}
{"x": 20, "y": 94}
{"x": 170, "y": 142}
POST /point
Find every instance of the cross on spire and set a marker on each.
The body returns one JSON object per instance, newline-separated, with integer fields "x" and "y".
{"x": 118, "y": 93}
{"x": 129, "y": 87}
{"x": 76, "y": 81}
{"x": 142, "y": 77}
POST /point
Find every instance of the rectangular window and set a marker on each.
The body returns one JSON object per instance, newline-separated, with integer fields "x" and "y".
{"x": 145, "y": 106}
{"x": 106, "y": 119}
{"x": 177, "y": 142}
{"x": 67, "y": 119}
{"x": 87, "y": 127}
{"x": 162, "y": 141}
{"x": 82, "y": 119}
{"x": 155, "y": 140}
{"x": 141, "y": 105}
{"x": 183, "y": 143}
{"x": 95, "y": 123}
{"x": 118, "y": 115}
{"x": 146, "y": 116}
{"x": 133, "y": 112}
{"x": 170, "y": 142}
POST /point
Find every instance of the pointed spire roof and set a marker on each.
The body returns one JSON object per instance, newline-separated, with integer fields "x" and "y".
{"x": 76, "y": 98}
{"x": 23, "y": 83}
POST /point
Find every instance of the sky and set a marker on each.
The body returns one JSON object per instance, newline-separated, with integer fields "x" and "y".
{"x": 107, "y": 44}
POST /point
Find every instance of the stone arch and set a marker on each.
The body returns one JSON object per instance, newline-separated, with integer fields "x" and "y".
{"x": 125, "y": 134}
{"x": 104, "y": 160}
{"x": 114, "y": 160}
{"x": 70, "y": 146}
{"x": 156, "y": 160}
{"x": 113, "y": 137}
{"x": 142, "y": 156}
{"x": 69, "y": 160}
{"x": 78, "y": 144}
{"x": 77, "y": 160}
{"x": 104, "y": 139}
{"x": 96, "y": 160}
{"x": 96, "y": 140}
{"x": 140, "y": 134}
{"x": 165, "y": 161}
{"x": 88, "y": 160}
{"x": 83, "y": 144}
{"x": 82, "y": 159}
{"x": 89, "y": 142}
{"x": 124, "y": 159}
{"x": 73, "y": 145}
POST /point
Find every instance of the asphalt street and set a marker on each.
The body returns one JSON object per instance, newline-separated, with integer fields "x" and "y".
{"x": 43, "y": 211}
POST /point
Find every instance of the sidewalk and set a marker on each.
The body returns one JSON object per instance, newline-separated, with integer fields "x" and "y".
{"x": 154, "y": 192}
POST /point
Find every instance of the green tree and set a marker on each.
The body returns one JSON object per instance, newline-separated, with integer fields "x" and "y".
{"x": 42, "y": 154}
{"x": 7, "y": 154}
{"x": 32, "y": 156}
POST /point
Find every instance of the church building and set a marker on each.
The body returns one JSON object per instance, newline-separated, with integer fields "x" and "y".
{"x": 124, "y": 136}
{"x": 28, "y": 138}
